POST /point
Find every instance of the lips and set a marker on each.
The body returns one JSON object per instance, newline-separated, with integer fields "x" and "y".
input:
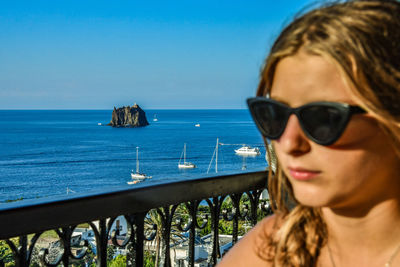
{"x": 302, "y": 174}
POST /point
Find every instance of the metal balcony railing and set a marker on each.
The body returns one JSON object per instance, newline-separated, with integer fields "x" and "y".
{"x": 131, "y": 219}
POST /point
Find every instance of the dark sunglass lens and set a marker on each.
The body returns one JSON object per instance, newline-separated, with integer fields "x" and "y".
{"x": 271, "y": 118}
{"x": 323, "y": 123}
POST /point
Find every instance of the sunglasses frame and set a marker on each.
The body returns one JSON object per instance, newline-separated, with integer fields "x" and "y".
{"x": 347, "y": 111}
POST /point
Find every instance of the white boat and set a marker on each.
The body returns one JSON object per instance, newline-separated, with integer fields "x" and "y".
{"x": 155, "y": 118}
{"x": 248, "y": 150}
{"x": 185, "y": 164}
{"x": 197, "y": 125}
{"x": 137, "y": 176}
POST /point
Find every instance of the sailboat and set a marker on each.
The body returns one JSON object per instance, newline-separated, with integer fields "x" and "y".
{"x": 137, "y": 176}
{"x": 155, "y": 118}
{"x": 185, "y": 165}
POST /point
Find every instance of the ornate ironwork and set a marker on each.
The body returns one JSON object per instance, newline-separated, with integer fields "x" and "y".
{"x": 122, "y": 220}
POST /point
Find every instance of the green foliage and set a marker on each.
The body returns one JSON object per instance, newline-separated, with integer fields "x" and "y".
{"x": 206, "y": 230}
{"x": 203, "y": 209}
{"x": 149, "y": 259}
{"x": 227, "y": 204}
{"x": 84, "y": 225}
{"x": 119, "y": 261}
{"x": 110, "y": 252}
{"x": 225, "y": 227}
{"x": 6, "y": 254}
{"x": 89, "y": 255}
{"x": 48, "y": 234}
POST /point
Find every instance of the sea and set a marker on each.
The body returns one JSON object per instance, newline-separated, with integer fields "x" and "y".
{"x": 47, "y": 153}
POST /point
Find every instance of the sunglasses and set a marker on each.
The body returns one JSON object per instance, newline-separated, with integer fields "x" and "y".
{"x": 321, "y": 122}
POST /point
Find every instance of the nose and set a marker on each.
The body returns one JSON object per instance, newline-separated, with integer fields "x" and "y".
{"x": 293, "y": 139}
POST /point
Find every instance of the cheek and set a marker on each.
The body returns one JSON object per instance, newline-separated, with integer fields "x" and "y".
{"x": 363, "y": 168}
{"x": 348, "y": 166}
{"x": 359, "y": 133}
{"x": 362, "y": 149}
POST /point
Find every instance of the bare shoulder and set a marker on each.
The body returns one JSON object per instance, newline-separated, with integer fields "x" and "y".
{"x": 249, "y": 251}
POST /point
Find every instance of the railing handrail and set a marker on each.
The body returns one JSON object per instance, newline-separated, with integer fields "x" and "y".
{"x": 31, "y": 216}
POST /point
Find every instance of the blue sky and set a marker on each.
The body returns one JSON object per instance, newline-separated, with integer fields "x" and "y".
{"x": 67, "y": 54}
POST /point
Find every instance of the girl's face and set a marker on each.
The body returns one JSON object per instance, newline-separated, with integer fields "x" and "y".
{"x": 360, "y": 168}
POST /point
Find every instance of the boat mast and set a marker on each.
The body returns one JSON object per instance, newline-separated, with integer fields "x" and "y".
{"x": 137, "y": 159}
{"x": 216, "y": 157}
{"x": 184, "y": 154}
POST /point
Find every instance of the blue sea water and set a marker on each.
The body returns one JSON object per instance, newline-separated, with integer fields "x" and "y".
{"x": 44, "y": 152}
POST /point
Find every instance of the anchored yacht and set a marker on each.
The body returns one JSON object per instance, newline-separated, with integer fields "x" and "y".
{"x": 248, "y": 150}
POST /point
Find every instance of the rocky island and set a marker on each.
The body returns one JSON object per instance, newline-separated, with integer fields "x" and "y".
{"x": 128, "y": 117}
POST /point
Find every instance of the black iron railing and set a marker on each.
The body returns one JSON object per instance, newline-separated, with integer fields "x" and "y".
{"x": 161, "y": 217}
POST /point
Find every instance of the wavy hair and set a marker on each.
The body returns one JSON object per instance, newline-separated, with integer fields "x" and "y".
{"x": 362, "y": 38}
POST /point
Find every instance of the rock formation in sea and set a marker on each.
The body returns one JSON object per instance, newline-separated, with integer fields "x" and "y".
{"x": 128, "y": 117}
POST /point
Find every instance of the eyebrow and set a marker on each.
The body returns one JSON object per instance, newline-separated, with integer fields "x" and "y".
{"x": 268, "y": 95}
{"x": 283, "y": 101}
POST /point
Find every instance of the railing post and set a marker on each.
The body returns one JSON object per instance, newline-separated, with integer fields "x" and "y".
{"x": 66, "y": 239}
{"x": 215, "y": 211}
{"x": 21, "y": 253}
{"x": 165, "y": 238}
{"x": 235, "y": 221}
{"x": 254, "y": 201}
{"x": 192, "y": 232}
{"x": 102, "y": 249}
{"x": 137, "y": 239}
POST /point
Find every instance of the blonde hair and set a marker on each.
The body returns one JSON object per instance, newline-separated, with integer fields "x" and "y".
{"x": 362, "y": 38}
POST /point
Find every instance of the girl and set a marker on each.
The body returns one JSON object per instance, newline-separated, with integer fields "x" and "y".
{"x": 329, "y": 101}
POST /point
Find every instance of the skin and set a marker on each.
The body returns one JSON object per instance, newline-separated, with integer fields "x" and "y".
{"x": 355, "y": 181}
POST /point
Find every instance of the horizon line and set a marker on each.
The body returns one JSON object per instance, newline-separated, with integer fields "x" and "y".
{"x": 79, "y": 109}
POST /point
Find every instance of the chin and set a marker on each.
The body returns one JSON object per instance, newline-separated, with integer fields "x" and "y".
{"x": 311, "y": 198}
{"x": 311, "y": 202}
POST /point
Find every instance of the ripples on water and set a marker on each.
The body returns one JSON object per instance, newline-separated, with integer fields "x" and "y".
{"x": 42, "y": 153}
